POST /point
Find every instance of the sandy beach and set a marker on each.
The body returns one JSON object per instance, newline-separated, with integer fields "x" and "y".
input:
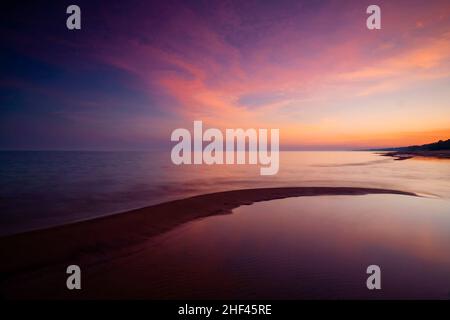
{"x": 30, "y": 259}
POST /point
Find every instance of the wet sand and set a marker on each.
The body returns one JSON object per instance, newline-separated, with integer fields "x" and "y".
{"x": 35, "y": 255}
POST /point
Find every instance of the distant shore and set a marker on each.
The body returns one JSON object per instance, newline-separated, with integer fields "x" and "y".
{"x": 32, "y": 255}
{"x": 404, "y": 155}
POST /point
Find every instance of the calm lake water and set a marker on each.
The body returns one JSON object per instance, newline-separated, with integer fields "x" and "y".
{"x": 40, "y": 189}
{"x": 305, "y": 247}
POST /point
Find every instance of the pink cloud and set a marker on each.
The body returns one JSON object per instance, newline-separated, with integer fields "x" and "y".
{"x": 207, "y": 66}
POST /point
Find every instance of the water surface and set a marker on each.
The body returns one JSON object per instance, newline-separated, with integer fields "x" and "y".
{"x": 300, "y": 248}
{"x": 40, "y": 189}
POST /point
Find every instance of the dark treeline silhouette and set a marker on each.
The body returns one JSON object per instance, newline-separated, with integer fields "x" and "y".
{"x": 435, "y": 146}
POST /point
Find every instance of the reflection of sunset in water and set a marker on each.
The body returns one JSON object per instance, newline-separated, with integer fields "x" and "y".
{"x": 100, "y": 183}
{"x": 305, "y": 247}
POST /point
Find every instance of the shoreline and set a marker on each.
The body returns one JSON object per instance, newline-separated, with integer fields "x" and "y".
{"x": 90, "y": 239}
{"x": 404, "y": 155}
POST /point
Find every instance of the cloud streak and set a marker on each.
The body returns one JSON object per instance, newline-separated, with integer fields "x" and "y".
{"x": 304, "y": 67}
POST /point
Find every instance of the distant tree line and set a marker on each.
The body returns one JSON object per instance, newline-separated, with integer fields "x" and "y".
{"x": 440, "y": 145}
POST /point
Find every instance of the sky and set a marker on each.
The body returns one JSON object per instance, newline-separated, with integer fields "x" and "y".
{"x": 137, "y": 70}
